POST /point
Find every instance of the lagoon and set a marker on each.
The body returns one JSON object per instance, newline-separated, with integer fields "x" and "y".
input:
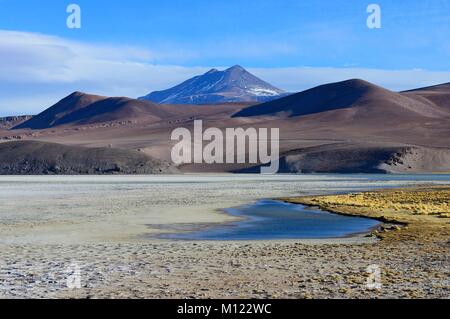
{"x": 273, "y": 220}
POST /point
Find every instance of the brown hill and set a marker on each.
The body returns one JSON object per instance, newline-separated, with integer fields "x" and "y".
{"x": 80, "y": 108}
{"x": 113, "y": 109}
{"x": 365, "y": 100}
{"x": 53, "y": 115}
{"x": 437, "y": 94}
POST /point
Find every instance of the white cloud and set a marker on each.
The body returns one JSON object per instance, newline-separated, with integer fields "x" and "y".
{"x": 301, "y": 78}
{"x": 37, "y": 70}
{"x": 35, "y": 66}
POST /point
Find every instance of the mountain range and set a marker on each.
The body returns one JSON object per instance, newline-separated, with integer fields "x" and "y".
{"x": 232, "y": 85}
{"x": 349, "y": 126}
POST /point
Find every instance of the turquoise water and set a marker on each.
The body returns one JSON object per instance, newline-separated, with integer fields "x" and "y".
{"x": 270, "y": 220}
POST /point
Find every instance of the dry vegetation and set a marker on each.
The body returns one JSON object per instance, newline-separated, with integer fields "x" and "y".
{"x": 431, "y": 202}
{"x": 422, "y": 212}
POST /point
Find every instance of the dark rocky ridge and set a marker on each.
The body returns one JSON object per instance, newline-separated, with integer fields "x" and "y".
{"x": 369, "y": 158}
{"x": 11, "y": 121}
{"x": 42, "y": 158}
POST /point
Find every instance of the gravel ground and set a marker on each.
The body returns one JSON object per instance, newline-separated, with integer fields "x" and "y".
{"x": 224, "y": 270}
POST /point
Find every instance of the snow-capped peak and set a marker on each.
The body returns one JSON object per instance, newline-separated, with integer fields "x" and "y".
{"x": 231, "y": 85}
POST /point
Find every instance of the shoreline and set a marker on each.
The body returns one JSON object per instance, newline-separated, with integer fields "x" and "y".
{"x": 418, "y": 226}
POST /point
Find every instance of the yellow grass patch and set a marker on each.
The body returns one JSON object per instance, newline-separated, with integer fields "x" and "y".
{"x": 419, "y": 202}
{"x": 424, "y": 210}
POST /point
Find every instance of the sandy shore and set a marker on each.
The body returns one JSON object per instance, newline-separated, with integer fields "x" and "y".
{"x": 54, "y": 230}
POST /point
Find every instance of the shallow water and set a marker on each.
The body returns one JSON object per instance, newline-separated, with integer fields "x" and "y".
{"x": 269, "y": 220}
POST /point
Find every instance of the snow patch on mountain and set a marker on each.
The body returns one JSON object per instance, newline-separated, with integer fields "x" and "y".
{"x": 263, "y": 92}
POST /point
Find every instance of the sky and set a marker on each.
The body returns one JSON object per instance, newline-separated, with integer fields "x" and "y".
{"x": 132, "y": 48}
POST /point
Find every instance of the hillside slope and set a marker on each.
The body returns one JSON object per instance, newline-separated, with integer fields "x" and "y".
{"x": 366, "y": 100}
{"x": 437, "y": 94}
{"x": 79, "y": 108}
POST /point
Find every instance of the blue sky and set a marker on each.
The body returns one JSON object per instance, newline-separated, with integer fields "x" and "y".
{"x": 133, "y": 47}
